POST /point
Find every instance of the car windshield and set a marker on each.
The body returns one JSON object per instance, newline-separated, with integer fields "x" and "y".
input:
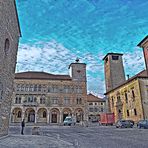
{"x": 68, "y": 119}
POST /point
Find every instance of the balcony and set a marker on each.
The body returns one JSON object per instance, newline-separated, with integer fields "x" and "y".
{"x": 31, "y": 104}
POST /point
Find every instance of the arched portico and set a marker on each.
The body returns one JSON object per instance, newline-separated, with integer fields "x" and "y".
{"x": 79, "y": 113}
{"x": 30, "y": 115}
{"x": 16, "y": 115}
{"x": 42, "y": 115}
{"x": 54, "y": 115}
{"x": 66, "y": 112}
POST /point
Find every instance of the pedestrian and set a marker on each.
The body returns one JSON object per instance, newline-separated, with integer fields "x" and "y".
{"x": 22, "y": 125}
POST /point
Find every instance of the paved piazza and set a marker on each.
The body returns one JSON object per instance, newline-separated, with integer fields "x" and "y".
{"x": 76, "y": 137}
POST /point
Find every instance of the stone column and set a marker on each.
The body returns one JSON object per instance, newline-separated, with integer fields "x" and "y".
{"x": 48, "y": 116}
{"x": 61, "y": 114}
{"x": 36, "y": 116}
{"x": 23, "y": 114}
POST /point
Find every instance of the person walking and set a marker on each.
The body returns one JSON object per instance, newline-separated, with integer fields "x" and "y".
{"x": 22, "y": 125}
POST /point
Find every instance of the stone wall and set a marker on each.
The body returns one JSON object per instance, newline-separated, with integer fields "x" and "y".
{"x": 9, "y": 37}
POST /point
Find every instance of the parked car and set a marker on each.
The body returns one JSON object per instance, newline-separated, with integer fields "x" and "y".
{"x": 132, "y": 122}
{"x": 142, "y": 124}
{"x": 69, "y": 121}
{"x": 124, "y": 124}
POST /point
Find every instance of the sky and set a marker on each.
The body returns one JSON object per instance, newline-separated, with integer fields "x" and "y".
{"x": 56, "y": 32}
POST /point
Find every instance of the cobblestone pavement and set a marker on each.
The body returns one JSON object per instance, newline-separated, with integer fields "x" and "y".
{"x": 76, "y": 137}
{"x": 33, "y": 141}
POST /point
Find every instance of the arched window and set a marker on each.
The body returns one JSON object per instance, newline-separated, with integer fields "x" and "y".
{"x": 7, "y": 45}
{"x": 19, "y": 100}
{"x": 39, "y": 88}
{"x": 16, "y": 100}
{"x": 1, "y": 90}
{"x": 44, "y": 114}
{"x": 19, "y": 114}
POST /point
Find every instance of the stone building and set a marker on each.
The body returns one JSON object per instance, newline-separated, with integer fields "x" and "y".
{"x": 9, "y": 38}
{"x": 114, "y": 71}
{"x": 45, "y": 98}
{"x": 95, "y": 107}
{"x": 129, "y": 99}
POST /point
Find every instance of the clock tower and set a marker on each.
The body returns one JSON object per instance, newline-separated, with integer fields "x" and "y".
{"x": 78, "y": 71}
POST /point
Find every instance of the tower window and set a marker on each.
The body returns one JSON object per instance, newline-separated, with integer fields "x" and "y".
{"x": 115, "y": 57}
{"x": 6, "y": 48}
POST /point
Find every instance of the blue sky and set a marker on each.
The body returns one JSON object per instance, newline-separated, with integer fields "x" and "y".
{"x": 56, "y": 32}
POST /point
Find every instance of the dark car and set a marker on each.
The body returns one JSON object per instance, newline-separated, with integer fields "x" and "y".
{"x": 124, "y": 124}
{"x": 142, "y": 124}
{"x": 132, "y": 122}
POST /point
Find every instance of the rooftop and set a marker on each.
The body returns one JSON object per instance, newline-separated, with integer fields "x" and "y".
{"x": 40, "y": 75}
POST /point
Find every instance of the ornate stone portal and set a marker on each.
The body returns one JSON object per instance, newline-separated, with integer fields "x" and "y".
{"x": 9, "y": 38}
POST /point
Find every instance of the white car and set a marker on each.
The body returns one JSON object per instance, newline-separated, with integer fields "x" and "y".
{"x": 69, "y": 121}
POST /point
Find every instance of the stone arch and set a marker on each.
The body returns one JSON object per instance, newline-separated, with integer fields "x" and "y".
{"x": 30, "y": 115}
{"x": 42, "y": 115}
{"x": 54, "y": 115}
{"x": 66, "y": 112}
{"x": 79, "y": 114}
{"x": 16, "y": 115}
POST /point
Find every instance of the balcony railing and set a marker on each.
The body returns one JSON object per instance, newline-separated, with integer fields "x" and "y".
{"x": 30, "y": 104}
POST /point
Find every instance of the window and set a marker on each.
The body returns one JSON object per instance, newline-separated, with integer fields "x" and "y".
{"x": 6, "y": 48}
{"x": 102, "y": 109}
{"x": 91, "y": 109}
{"x": 19, "y": 100}
{"x": 79, "y": 101}
{"x": 18, "y": 87}
{"x": 95, "y": 109}
{"x": 133, "y": 94}
{"x": 91, "y": 103}
{"x": 27, "y": 87}
{"x": 101, "y": 103}
{"x": 19, "y": 114}
{"x": 66, "y": 101}
{"x": 44, "y": 114}
{"x": 30, "y": 99}
{"x": 115, "y": 57}
{"x": 1, "y": 90}
{"x": 135, "y": 112}
{"x": 54, "y": 100}
{"x": 126, "y": 97}
{"x": 35, "y": 87}
{"x": 16, "y": 100}
{"x": 42, "y": 100}
{"x": 128, "y": 113}
{"x": 39, "y": 88}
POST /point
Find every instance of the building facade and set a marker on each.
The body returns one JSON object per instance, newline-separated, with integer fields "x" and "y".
{"x": 95, "y": 107}
{"x": 129, "y": 100}
{"x": 45, "y": 98}
{"x": 9, "y": 38}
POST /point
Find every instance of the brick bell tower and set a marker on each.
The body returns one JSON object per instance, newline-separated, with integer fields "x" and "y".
{"x": 114, "y": 70}
{"x": 144, "y": 45}
{"x": 9, "y": 39}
